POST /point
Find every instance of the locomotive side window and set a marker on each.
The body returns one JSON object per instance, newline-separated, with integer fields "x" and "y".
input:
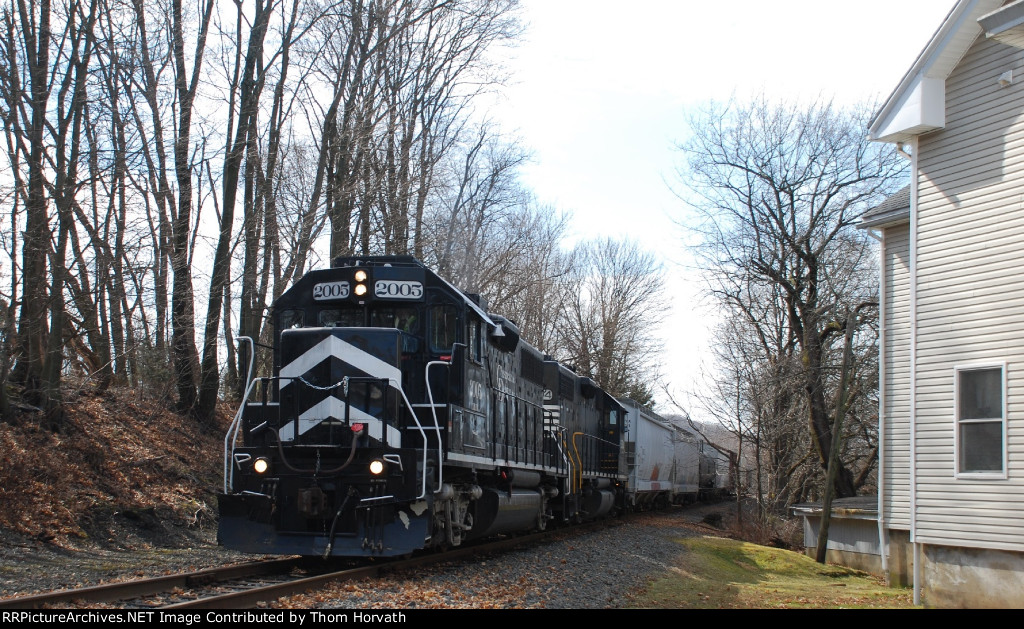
{"x": 474, "y": 340}
{"x": 444, "y": 325}
{"x": 338, "y": 318}
{"x": 289, "y": 319}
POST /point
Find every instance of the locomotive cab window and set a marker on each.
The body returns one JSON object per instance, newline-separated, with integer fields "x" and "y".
{"x": 405, "y": 319}
{"x": 289, "y": 319}
{"x": 339, "y": 318}
{"x": 444, "y": 325}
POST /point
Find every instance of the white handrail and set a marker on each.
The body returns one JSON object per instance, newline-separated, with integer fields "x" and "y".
{"x": 231, "y": 438}
{"x": 433, "y": 412}
{"x": 228, "y": 468}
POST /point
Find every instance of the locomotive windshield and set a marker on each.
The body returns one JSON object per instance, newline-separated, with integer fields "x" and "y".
{"x": 337, "y": 318}
{"x": 405, "y": 319}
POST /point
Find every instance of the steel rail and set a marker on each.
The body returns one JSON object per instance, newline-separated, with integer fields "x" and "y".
{"x": 123, "y": 590}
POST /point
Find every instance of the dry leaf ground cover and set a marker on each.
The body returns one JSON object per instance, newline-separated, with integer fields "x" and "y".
{"x": 120, "y": 459}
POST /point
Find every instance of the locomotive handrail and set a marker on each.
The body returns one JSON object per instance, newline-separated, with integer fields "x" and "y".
{"x": 592, "y": 469}
{"x": 577, "y": 477}
{"x": 423, "y": 433}
{"x": 252, "y": 357}
{"x": 344, "y": 382}
{"x": 232, "y": 436}
{"x": 559, "y": 441}
{"x": 437, "y": 425}
{"x": 233, "y": 427}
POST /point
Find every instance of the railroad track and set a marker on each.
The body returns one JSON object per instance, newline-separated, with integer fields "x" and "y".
{"x": 141, "y": 589}
{"x": 246, "y": 585}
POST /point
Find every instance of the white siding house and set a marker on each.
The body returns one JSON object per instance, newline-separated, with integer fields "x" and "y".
{"x": 951, "y": 491}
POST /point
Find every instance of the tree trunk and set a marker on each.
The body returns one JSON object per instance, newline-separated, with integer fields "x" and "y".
{"x": 32, "y": 331}
{"x": 250, "y": 89}
{"x": 836, "y": 442}
{"x": 183, "y": 338}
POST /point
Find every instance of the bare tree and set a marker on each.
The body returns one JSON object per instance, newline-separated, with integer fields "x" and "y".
{"x": 348, "y": 113}
{"x": 479, "y": 198}
{"x": 186, "y": 82}
{"x": 611, "y": 315}
{"x": 486, "y": 233}
{"x": 752, "y": 391}
{"x": 247, "y": 87}
{"x": 45, "y": 88}
{"x": 26, "y": 91}
{"x": 528, "y": 286}
{"x": 779, "y": 189}
{"x": 5, "y": 360}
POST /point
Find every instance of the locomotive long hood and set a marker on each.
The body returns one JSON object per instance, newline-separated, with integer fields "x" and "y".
{"x": 322, "y": 367}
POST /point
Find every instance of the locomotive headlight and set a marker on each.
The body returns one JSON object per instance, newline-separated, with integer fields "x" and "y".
{"x": 261, "y": 465}
{"x": 360, "y": 276}
{"x": 377, "y": 467}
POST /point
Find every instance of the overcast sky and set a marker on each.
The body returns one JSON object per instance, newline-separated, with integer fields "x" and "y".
{"x": 601, "y": 90}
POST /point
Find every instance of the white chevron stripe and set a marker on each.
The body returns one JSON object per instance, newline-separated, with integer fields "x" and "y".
{"x": 333, "y": 346}
{"x": 333, "y": 407}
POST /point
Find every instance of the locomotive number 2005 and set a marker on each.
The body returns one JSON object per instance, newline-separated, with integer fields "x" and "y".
{"x": 330, "y": 290}
{"x": 398, "y": 289}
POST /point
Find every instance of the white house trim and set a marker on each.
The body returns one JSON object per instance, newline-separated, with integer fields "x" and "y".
{"x": 918, "y": 103}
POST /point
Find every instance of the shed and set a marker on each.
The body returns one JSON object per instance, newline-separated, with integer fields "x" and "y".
{"x": 852, "y": 532}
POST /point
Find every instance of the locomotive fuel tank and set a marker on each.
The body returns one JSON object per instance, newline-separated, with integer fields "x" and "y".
{"x": 597, "y": 503}
{"x": 500, "y": 511}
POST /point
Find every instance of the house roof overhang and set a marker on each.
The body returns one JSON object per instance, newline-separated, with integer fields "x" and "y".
{"x": 1005, "y": 24}
{"x": 857, "y": 508}
{"x": 917, "y": 105}
{"x": 893, "y": 211}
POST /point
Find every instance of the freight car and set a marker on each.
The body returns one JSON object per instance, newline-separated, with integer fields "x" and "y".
{"x": 661, "y": 460}
{"x": 716, "y": 473}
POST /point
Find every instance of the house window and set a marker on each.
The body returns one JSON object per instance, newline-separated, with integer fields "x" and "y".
{"x": 981, "y": 420}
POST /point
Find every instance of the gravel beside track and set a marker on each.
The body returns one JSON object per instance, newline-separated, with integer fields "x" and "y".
{"x": 595, "y": 570}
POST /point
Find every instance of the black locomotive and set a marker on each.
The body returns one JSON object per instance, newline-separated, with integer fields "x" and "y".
{"x": 401, "y": 415}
